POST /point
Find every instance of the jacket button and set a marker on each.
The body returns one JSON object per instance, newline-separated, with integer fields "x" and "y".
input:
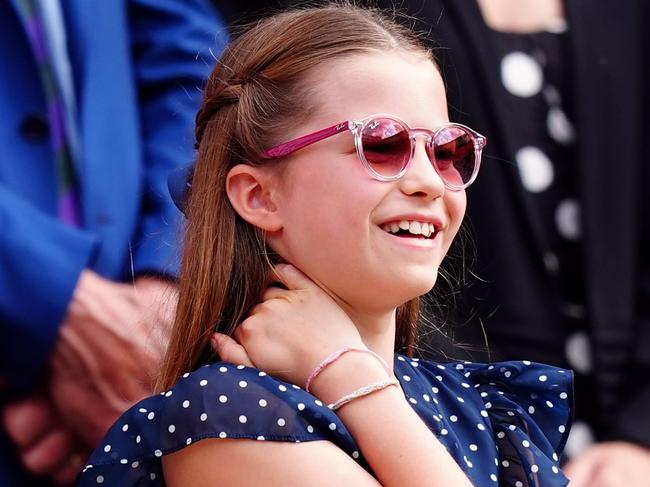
{"x": 35, "y": 128}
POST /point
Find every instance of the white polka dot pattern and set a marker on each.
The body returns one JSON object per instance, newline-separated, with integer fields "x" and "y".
{"x": 468, "y": 411}
{"x": 578, "y": 352}
{"x": 535, "y": 169}
{"x": 567, "y": 219}
{"x": 559, "y": 127}
{"x": 521, "y": 75}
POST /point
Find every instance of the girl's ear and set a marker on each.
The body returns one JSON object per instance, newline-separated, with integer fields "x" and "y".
{"x": 250, "y": 191}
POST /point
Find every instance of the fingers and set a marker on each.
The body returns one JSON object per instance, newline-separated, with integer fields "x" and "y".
{"x": 50, "y": 454}
{"x": 581, "y": 471}
{"x": 27, "y": 421}
{"x": 273, "y": 292}
{"x": 44, "y": 445}
{"x": 65, "y": 476}
{"x": 291, "y": 277}
{"x": 229, "y": 350}
{"x": 619, "y": 464}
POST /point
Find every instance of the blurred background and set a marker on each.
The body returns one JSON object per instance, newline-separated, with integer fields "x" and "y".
{"x": 97, "y": 102}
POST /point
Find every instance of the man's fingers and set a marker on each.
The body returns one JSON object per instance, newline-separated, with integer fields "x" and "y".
{"x": 581, "y": 470}
{"x": 229, "y": 350}
{"x": 27, "y": 421}
{"x": 49, "y": 454}
{"x": 66, "y": 475}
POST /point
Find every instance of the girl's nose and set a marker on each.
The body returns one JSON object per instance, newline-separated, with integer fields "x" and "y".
{"x": 421, "y": 178}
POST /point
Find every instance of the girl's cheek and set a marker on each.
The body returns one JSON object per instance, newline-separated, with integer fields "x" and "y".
{"x": 456, "y": 210}
{"x": 457, "y": 204}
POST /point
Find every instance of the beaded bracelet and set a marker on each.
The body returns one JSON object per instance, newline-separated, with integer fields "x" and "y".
{"x": 363, "y": 391}
{"x": 334, "y": 357}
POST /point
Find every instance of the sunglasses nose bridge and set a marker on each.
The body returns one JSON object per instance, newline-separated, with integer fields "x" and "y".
{"x": 426, "y": 134}
{"x": 428, "y": 138}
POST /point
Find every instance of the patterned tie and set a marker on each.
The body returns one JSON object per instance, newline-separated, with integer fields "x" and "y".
{"x": 68, "y": 207}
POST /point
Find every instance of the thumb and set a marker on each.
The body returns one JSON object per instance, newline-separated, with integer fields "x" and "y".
{"x": 291, "y": 277}
{"x": 229, "y": 350}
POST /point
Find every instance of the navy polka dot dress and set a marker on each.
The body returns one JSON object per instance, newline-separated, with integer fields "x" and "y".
{"x": 505, "y": 424}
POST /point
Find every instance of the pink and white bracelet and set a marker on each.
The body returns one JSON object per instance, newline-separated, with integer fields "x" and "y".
{"x": 334, "y": 357}
{"x": 363, "y": 391}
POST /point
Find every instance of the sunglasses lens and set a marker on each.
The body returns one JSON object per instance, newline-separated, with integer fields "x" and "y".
{"x": 386, "y": 146}
{"x": 454, "y": 155}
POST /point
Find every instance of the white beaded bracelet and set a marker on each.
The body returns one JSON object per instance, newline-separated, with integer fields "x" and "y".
{"x": 363, "y": 391}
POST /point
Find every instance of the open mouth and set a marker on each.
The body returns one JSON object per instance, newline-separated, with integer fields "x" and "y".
{"x": 411, "y": 229}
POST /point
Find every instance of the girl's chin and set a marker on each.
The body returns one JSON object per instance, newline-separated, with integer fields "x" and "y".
{"x": 382, "y": 293}
{"x": 407, "y": 292}
{"x": 416, "y": 286}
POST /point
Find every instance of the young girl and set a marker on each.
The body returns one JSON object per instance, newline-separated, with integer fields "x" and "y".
{"x": 327, "y": 163}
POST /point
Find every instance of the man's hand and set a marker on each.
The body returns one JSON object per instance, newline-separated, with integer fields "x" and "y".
{"x": 45, "y": 446}
{"x": 612, "y": 464}
{"x": 108, "y": 351}
{"x": 158, "y": 299}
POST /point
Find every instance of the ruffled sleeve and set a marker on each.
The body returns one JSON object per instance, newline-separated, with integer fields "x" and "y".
{"x": 530, "y": 408}
{"x": 216, "y": 401}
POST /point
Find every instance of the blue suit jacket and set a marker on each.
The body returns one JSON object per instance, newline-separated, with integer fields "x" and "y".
{"x": 138, "y": 67}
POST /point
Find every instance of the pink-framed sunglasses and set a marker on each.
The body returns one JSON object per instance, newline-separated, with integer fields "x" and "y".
{"x": 386, "y": 145}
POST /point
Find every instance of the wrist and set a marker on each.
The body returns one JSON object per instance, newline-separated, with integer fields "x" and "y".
{"x": 363, "y": 392}
{"x": 348, "y": 373}
{"x": 333, "y": 357}
{"x": 87, "y": 285}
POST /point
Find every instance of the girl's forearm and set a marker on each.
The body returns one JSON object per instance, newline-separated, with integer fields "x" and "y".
{"x": 397, "y": 445}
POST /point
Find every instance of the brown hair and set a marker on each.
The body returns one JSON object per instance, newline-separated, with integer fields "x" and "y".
{"x": 255, "y": 93}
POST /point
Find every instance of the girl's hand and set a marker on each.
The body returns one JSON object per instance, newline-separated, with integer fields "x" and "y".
{"x": 229, "y": 350}
{"x": 291, "y": 331}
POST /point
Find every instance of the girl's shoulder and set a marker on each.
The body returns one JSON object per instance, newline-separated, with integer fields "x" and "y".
{"x": 219, "y": 400}
{"x": 516, "y": 414}
{"x": 505, "y": 421}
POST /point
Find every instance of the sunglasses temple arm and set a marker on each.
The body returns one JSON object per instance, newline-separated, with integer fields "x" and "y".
{"x": 296, "y": 144}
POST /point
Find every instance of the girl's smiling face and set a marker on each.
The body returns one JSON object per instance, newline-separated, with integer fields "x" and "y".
{"x": 334, "y": 214}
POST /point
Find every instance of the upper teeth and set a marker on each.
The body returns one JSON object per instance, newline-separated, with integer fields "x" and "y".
{"x": 413, "y": 227}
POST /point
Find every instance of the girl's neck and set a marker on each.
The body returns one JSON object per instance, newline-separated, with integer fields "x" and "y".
{"x": 377, "y": 331}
